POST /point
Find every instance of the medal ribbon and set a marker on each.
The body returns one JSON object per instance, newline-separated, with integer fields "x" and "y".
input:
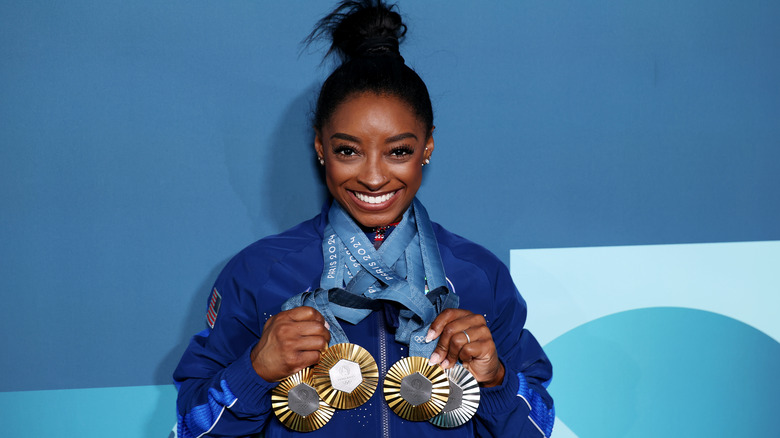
{"x": 356, "y": 276}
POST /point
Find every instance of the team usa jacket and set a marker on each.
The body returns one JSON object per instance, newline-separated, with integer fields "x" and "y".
{"x": 220, "y": 394}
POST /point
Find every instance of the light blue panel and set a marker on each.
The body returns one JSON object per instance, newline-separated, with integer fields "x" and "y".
{"x": 660, "y": 340}
{"x": 127, "y": 412}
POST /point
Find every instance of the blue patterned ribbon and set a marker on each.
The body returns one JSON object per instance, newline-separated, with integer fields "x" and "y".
{"x": 357, "y": 277}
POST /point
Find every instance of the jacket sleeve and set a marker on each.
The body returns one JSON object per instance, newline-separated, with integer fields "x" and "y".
{"x": 521, "y": 405}
{"x": 220, "y": 394}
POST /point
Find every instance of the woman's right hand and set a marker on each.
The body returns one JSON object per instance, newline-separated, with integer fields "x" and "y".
{"x": 291, "y": 341}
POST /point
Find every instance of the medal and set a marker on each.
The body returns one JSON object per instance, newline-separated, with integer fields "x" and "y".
{"x": 297, "y": 404}
{"x": 346, "y": 376}
{"x": 415, "y": 390}
{"x": 463, "y": 400}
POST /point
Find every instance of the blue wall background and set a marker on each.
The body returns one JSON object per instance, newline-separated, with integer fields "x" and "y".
{"x": 143, "y": 143}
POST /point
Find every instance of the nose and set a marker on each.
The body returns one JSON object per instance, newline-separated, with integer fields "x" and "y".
{"x": 373, "y": 173}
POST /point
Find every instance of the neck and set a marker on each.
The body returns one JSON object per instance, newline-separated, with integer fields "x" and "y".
{"x": 374, "y": 229}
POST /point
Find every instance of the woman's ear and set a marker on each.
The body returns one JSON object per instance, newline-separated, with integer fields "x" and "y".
{"x": 428, "y": 147}
{"x": 318, "y": 149}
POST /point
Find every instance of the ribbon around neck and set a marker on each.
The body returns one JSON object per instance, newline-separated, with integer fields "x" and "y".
{"x": 357, "y": 278}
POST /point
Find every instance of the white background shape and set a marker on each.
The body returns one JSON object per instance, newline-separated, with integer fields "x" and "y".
{"x": 567, "y": 287}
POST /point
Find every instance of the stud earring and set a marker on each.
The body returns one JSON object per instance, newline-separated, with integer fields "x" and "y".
{"x": 427, "y": 160}
{"x": 322, "y": 161}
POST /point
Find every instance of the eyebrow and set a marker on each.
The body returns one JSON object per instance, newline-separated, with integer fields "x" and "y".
{"x": 347, "y": 137}
{"x": 400, "y": 137}
{"x": 393, "y": 139}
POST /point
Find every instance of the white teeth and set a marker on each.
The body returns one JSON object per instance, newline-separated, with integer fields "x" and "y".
{"x": 374, "y": 199}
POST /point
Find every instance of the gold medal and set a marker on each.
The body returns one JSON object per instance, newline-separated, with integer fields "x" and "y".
{"x": 463, "y": 400}
{"x": 415, "y": 390}
{"x": 297, "y": 404}
{"x": 346, "y": 376}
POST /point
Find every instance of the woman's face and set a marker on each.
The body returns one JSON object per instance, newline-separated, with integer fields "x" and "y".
{"x": 373, "y": 146}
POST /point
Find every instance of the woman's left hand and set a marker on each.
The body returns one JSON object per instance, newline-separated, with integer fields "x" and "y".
{"x": 466, "y": 337}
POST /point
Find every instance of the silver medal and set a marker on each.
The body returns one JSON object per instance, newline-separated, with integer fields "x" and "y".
{"x": 463, "y": 401}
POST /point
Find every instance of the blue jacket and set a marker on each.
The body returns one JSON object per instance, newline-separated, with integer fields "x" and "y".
{"x": 220, "y": 394}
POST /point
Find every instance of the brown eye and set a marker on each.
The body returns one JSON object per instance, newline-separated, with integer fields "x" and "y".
{"x": 402, "y": 151}
{"x": 346, "y": 151}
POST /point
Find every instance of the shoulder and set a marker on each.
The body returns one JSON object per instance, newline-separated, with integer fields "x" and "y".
{"x": 475, "y": 274}
{"x": 479, "y": 278}
{"x": 287, "y": 242}
{"x": 455, "y": 248}
{"x": 290, "y": 248}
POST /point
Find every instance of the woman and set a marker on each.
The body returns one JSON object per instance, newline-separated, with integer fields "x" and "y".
{"x": 432, "y": 294}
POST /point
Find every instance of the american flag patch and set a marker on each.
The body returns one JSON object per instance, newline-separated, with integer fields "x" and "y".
{"x": 214, "y": 303}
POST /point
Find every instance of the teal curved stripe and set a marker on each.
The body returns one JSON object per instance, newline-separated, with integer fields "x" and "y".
{"x": 125, "y": 412}
{"x": 666, "y": 371}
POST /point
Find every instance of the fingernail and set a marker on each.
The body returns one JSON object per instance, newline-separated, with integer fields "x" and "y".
{"x": 434, "y": 359}
{"x": 445, "y": 364}
{"x": 430, "y": 336}
{"x": 327, "y": 326}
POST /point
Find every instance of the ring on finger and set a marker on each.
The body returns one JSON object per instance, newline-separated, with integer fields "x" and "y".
{"x": 468, "y": 338}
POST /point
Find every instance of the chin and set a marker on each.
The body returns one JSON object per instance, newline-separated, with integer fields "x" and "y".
{"x": 371, "y": 220}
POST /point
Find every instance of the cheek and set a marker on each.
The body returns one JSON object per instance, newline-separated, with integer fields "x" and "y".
{"x": 334, "y": 174}
{"x": 335, "y": 177}
{"x": 413, "y": 174}
{"x": 333, "y": 187}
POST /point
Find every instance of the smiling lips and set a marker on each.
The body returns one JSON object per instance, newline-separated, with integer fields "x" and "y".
{"x": 369, "y": 199}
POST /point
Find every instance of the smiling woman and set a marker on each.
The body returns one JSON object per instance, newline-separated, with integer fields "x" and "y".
{"x": 374, "y": 148}
{"x": 371, "y": 275}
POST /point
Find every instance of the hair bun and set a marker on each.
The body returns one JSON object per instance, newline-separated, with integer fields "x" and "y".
{"x": 362, "y": 28}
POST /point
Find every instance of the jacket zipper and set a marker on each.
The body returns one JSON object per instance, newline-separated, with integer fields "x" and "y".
{"x": 383, "y": 409}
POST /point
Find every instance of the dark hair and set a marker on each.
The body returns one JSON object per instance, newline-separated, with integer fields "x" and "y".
{"x": 366, "y": 35}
